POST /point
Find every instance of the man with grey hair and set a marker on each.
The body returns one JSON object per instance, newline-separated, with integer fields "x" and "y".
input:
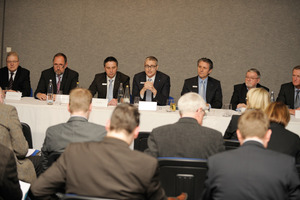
{"x": 187, "y": 137}
{"x": 238, "y": 99}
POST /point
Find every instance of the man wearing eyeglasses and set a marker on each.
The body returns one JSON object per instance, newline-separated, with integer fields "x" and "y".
{"x": 13, "y": 77}
{"x": 238, "y": 99}
{"x": 63, "y": 78}
{"x": 151, "y": 85}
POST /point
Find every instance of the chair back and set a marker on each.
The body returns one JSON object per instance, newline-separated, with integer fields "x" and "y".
{"x": 231, "y": 144}
{"x": 53, "y": 157}
{"x": 179, "y": 175}
{"x": 27, "y": 134}
{"x": 76, "y": 197}
{"x": 140, "y": 143}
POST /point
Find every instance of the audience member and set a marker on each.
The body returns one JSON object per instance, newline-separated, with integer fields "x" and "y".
{"x": 151, "y": 85}
{"x": 251, "y": 171}
{"x": 187, "y": 137}
{"x": 63, "y": 78}
{"x": 106, "y": 84}
{"x": 257, "y": 98}
{"x": 290, "y": 92}
{"x": 9, "y": 182}
{"x": 206, "y": 86}
{"x": 238, "y": 99}
{"x": 76, "y": 129}
{"x": 11, "y": 136}
{"x": 282, "y": 140}
{"x": 109, "y": 168}
{"x": 14, "y": 77}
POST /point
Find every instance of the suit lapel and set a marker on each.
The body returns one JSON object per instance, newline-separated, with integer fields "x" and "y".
{"x": 209, "y": 87}
{"x": 54, "y": 81}
{"x": 157, "y": 80}
{"x": 195, "y": 85}
{"x": 116, "y": 85}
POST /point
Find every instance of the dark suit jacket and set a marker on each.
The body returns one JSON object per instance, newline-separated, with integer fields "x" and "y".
{"x": 21, "y": 82}
{"x": 251, "y": 172}
{"x": 284, "y": 141}
{"x": 107, "y": 169}
{"x": 240, "y": 92}
{"x": 100, "y": 79}
{"x": 77, "y": 129}
{"x": 185, "y": 138}
{"x": 9, "y": 182}
{"x": 287, "y": 94}
{"x": 69, "y": 81}
{"x": 161, "y": 84}
{"x": 230, "y": 132}
{"x": 213, "y": 90}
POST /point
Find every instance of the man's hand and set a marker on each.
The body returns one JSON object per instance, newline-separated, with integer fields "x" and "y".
{"x": 41, "y": 96}
{"x": 149, "y": 86}
{"x": 292, "y": 111}
{"x": 113, "y": 102}
{"x": 241, "y": 105}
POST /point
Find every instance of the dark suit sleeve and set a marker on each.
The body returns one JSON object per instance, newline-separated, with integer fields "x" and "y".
{"x": 230, "y": 132}
{"x": 235, "y": 98}
{"x": 135, "y": 87}
{"x": 10, "y": 187}
{"x": 163, "y": 91}
{"x": 208, "y": 184}
{"x": 155, "y": 190}
{"x": 283, "y": 96}
{"x": 294, "y": 184}
{"x": 93, "y": 86}
{"x": 73, "y": 79}
{"x": 42, "y": 85}
{"x": 216, "y": 102}
{"x": 26, "y": 87}
{"x": 185, "y": 88}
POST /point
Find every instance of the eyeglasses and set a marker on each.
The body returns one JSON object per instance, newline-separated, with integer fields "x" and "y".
{"x": 252, "y": 78}
{"x": 12, "y": 61}
{"x": 59, "y": 65}
{"x": 150, "y": 66}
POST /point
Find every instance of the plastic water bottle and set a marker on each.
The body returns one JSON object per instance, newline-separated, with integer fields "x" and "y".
{"x": 120, "y": 93}
{"x": 50, "y": 93}
{"x": 272, "y": 97}
{"x": 127, "y": 95}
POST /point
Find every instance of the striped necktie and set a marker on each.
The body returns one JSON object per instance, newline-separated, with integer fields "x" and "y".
{"x": 11, "y": 81}
{"x": 149, "y": 93}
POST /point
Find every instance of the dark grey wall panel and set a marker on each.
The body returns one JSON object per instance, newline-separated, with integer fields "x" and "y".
{"x": 236, "y": 35}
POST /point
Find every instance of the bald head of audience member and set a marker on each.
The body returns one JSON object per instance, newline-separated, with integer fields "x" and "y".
{"x": 192, "y": 105}
{"x": 80, "y": 102}
{"x": 124, "y": 123}
{"x": 254, "y": 124}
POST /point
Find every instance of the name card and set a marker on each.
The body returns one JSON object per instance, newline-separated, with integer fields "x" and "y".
{"x": 13, "y": 95}
{"x": 147, "y": 105}
{"x": 99, "y": 102}
{"x": 62, "y": 98}
{"x": 297, "y": 114}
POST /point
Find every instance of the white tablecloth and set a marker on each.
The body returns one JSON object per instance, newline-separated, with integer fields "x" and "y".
{"x": 39, "y": 116}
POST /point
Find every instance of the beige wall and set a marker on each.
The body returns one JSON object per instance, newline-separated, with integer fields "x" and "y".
{"x": 235, "y": 34}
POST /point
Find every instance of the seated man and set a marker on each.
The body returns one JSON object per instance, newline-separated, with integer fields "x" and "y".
{"x": 207, "y": 87}
{"x": 77, "y": 128}
{"x": 238, "y": 99}
{"x": 107, "y": 169}
{"x": 187, "y": 137}
{"x": 106, "y": 84}
{"x": 151, "y": 85}
{"x": 290, "y": 92}
{"x": 14, "y": 77}
{"x": 63, "y": 78}
{"x": 251, "y": 171}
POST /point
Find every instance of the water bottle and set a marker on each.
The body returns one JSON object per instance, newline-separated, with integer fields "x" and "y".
{"x": 127, "y": 95}
{"x": 50, "y": 93}
{"x": 77, "y": 84}
{"x": 120, "y": 93}
{"x": 272, "y": 98}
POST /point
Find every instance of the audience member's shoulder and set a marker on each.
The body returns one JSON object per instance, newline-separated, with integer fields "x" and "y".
{"x": 7, "y": 107}
{"x": 280, "y": 157}
{"x": 212, "y": 132}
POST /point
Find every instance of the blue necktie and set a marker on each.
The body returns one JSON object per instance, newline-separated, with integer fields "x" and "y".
{"x": 201, "y": 89}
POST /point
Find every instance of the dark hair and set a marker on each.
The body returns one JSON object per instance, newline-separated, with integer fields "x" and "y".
{"x": 297, "y": 67}
{"x": 207, "y": 60}
{"x": 125, "y": 117}
{"x": 110, "y": 59}
{"x": 60, "y": 54}
{"x": 255, "y": 71}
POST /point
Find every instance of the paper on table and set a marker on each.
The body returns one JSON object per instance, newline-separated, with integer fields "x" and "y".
{"x": 25, "y": 188}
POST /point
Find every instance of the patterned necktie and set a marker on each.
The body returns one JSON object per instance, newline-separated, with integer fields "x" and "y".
{"x": 58, "y": 84}
{"x": 297, "y": 100}
{"x": 201, "y": 89}
{"x": 110, "y": 90}
{"x": 149, "y": 93}
{"x": 11, "y": 81}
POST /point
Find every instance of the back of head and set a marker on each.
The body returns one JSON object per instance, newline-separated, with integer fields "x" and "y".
{"x": 278, "y": 112}
{"x": 258, "y": 98}
{"x": 80, "y": 100}
{"x": 190, "y": 103}
{"x": 125, "y": 117}
{"x": 253, "y": 123}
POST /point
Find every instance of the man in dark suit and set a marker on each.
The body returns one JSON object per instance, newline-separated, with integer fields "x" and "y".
{"x": 107, "y": 169}
{"x": 63, "y": 78}
{"x": 151, "y": 85}
{"x": 77, "y": 128}
{"x": 9, "y": 182}
{"x": 238, "y": 99}
{"x": 106, "y": 84}
{"x": 290, "y": 92}
{"x": 251, "y": 171}
{"x": 187, "y": 137}
{"x": 13, "y": 77}
{"x": 208, "y": 87}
